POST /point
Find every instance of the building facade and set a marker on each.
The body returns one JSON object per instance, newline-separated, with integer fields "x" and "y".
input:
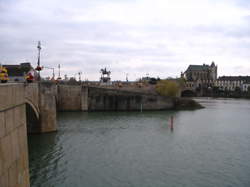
{"x": 231, "y": 83}
{"x": 200, "y": 76}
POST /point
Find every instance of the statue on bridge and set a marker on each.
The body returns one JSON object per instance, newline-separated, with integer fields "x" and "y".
{"x": 105, "y": 76}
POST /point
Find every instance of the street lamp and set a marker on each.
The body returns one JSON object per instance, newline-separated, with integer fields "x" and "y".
{"x": 127, "y": 77}
{"x": 38, "y": 68}
{"x": 59, "y": 72}
{"x": 79, "y": 73}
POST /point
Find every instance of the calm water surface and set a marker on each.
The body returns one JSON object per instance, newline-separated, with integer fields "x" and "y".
{"x": 207, "y": 148}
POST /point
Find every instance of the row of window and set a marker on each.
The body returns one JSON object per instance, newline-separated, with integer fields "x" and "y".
{"x": 229, "y": 82}
{"x": 232, "y": 88}
{"x": 224, "y": 86}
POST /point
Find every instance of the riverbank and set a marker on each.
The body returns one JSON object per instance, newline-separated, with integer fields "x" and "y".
{"x": 186, "y": 104}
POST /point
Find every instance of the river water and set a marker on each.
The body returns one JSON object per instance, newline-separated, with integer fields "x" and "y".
{"x": 207, "y": 148}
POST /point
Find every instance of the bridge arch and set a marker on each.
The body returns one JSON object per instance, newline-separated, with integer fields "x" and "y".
{"x": 32, "y": 117}
{"x": 188, "y": 93}
{"x": 36, "y": 110}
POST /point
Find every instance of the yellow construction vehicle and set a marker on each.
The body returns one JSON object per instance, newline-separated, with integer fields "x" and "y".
{"x": 3, "y": 74}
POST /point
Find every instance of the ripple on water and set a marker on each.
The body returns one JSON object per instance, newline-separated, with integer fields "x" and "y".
{"x": 208, "y": 147}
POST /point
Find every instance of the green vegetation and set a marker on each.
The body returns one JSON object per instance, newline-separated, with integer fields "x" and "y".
{"x": 168, "y": 88}
{"x": 181, "y": 82}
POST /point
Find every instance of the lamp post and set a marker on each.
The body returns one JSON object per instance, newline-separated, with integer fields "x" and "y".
{"x": 59, "y": 72}
{"x": 79, "y": 73}
{"x": 38, "y": 68}
{"x": 126, "y": 77}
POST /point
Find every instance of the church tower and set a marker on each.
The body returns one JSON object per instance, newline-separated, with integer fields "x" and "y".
{"x": 213, "y": 70}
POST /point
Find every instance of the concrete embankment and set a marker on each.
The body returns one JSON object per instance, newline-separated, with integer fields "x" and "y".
{"x": 186, "y": 104}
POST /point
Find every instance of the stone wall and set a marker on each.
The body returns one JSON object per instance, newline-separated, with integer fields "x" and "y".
{"x": 14, "y": 169}
{"x": 84, "y": 98}
{"x": 81, "y": 98}
{"x": 31, "y": 95}
{"x": 72, "y": 98}
{"x": 32, "y": 108}
{"x": 101, "y": 99}
{"x": 47, "y": 107}
{"x": 40, "y": 100}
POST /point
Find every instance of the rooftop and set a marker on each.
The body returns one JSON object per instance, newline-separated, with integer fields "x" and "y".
{"x": 203, "y": 67}
{"x": 235, "y": 78}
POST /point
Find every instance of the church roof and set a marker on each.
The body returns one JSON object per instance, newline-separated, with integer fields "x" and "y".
{"x": 203, "y": 67}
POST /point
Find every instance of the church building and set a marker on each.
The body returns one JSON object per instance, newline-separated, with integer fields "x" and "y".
{"x": 198, "y": 76}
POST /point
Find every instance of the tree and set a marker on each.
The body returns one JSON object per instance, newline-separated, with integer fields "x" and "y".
{"x": 181, "y": 81}
{"x": 152, "y": 81}
{"x": 167, "y": 88}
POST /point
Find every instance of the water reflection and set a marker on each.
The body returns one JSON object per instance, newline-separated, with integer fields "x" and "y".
{"x": 208, "y": 147}
{"x": 172, "y": 123}
{"x": 45, "y": 159}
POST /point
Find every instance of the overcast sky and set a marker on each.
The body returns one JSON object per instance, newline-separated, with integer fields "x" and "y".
{"x": 158, "y": 37}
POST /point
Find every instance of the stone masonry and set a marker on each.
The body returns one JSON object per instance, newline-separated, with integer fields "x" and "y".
{"x": 14, "y": 171}
{"x": 72, "y": 98}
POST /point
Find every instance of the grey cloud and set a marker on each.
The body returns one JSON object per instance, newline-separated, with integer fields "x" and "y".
{"x": 111, "y": 44}
{"x": 242, "y": 3}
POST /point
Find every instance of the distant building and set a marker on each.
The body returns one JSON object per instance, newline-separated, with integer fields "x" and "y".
{"x": 198, "y": 76}
{"x": 230, "y": 83}
{"x": 245, "y": 86}
{"x": 17, "y": 73}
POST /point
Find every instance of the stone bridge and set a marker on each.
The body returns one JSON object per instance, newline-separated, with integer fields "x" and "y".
{"x": 187, "y": 91}
{"x": 40, "y": 102}
{"x": 43, "y": 100}
{"x": 23, "y": 108}
{"x": 14, "y": 169}
{"x": 32, "y": 108}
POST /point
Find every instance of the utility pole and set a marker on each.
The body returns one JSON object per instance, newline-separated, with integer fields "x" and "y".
{"x": 38, "y": 68}
{"x": 59, "y": 73}
{"x": 53, "y": 75}
{"x": 79, "y": 73}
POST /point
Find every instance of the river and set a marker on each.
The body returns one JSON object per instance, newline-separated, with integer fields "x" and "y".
{"x": 209, "y": 147}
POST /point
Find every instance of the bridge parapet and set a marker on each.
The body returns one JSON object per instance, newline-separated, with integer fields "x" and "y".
{"x": 11, "y": 95}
